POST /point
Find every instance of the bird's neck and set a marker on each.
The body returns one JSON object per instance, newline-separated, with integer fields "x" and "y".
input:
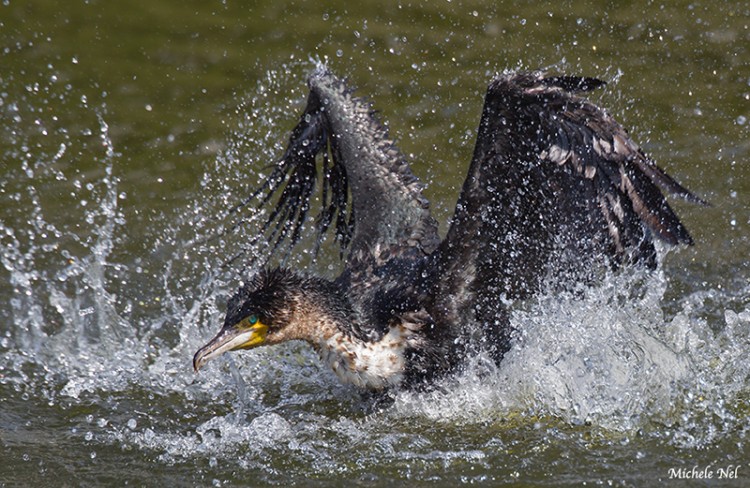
{"x": 375, "y": 364}
{"x": 324, "y": 317}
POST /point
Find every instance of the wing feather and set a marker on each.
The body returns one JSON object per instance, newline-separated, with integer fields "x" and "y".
{"x": 556, "y": 185}
{"x": 368, "y": 192}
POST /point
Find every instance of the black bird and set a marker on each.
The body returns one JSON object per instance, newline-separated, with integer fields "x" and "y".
{"x": 556, "y": 190}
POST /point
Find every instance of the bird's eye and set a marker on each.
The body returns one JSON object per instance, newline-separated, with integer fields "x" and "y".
{"x": 253, "y": 319}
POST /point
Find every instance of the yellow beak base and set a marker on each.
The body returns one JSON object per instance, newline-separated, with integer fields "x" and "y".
{"x": 239, "y": 336}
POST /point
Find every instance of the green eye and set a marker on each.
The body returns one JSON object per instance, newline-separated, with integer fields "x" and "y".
{"x": 253, "y": 319}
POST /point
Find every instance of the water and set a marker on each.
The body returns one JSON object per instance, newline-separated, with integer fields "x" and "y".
{"x": 126, "y": 136}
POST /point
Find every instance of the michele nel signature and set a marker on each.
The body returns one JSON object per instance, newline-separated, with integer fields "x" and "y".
{"x": 704, "y": 473}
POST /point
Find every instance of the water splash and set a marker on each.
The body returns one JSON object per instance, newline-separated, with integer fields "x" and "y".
{"x": 614, "y": 360}
{"x": 63, "y": 310}
{"x": 608, "y": 357}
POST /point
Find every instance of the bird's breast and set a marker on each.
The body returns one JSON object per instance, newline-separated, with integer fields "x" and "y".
{"x": 372, "y": 365}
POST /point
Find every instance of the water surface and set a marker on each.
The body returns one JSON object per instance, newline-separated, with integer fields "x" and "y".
{"x": 126, "y": 134}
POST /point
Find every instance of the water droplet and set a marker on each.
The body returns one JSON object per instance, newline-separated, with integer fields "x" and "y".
{"x": 132, "y": 424}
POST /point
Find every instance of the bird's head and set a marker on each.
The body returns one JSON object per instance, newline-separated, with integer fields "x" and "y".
{"x": 262, "y": 312}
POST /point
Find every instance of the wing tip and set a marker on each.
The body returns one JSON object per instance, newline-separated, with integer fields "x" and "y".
{"x": 574, "y": 84}
{"x": 539, "y": 81}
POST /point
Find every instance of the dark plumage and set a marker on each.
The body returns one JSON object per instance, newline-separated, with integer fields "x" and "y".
{"x": 556, "y": 189}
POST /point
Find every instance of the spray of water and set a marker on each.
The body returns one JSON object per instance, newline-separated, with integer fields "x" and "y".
{"x": 607, "y": 356}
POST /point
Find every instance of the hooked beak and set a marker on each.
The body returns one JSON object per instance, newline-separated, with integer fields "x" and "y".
{"x": 230, "y": 339}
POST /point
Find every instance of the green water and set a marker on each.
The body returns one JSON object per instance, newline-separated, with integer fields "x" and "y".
{"x": 126, "y": 129}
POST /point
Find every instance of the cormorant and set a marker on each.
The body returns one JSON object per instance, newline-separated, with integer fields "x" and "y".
{"x": 556, "y": 189}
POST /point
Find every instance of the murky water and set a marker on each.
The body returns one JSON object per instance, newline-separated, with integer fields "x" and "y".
{"x": 126, "y": 134}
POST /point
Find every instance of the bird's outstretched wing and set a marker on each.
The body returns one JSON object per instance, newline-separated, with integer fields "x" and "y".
{"x": 555, "y": 184}
{"x": 368, "y": 192}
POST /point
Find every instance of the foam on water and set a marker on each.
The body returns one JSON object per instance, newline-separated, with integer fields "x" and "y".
{"x": 613, "y": 360}
{"x": 608, "y": 356}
